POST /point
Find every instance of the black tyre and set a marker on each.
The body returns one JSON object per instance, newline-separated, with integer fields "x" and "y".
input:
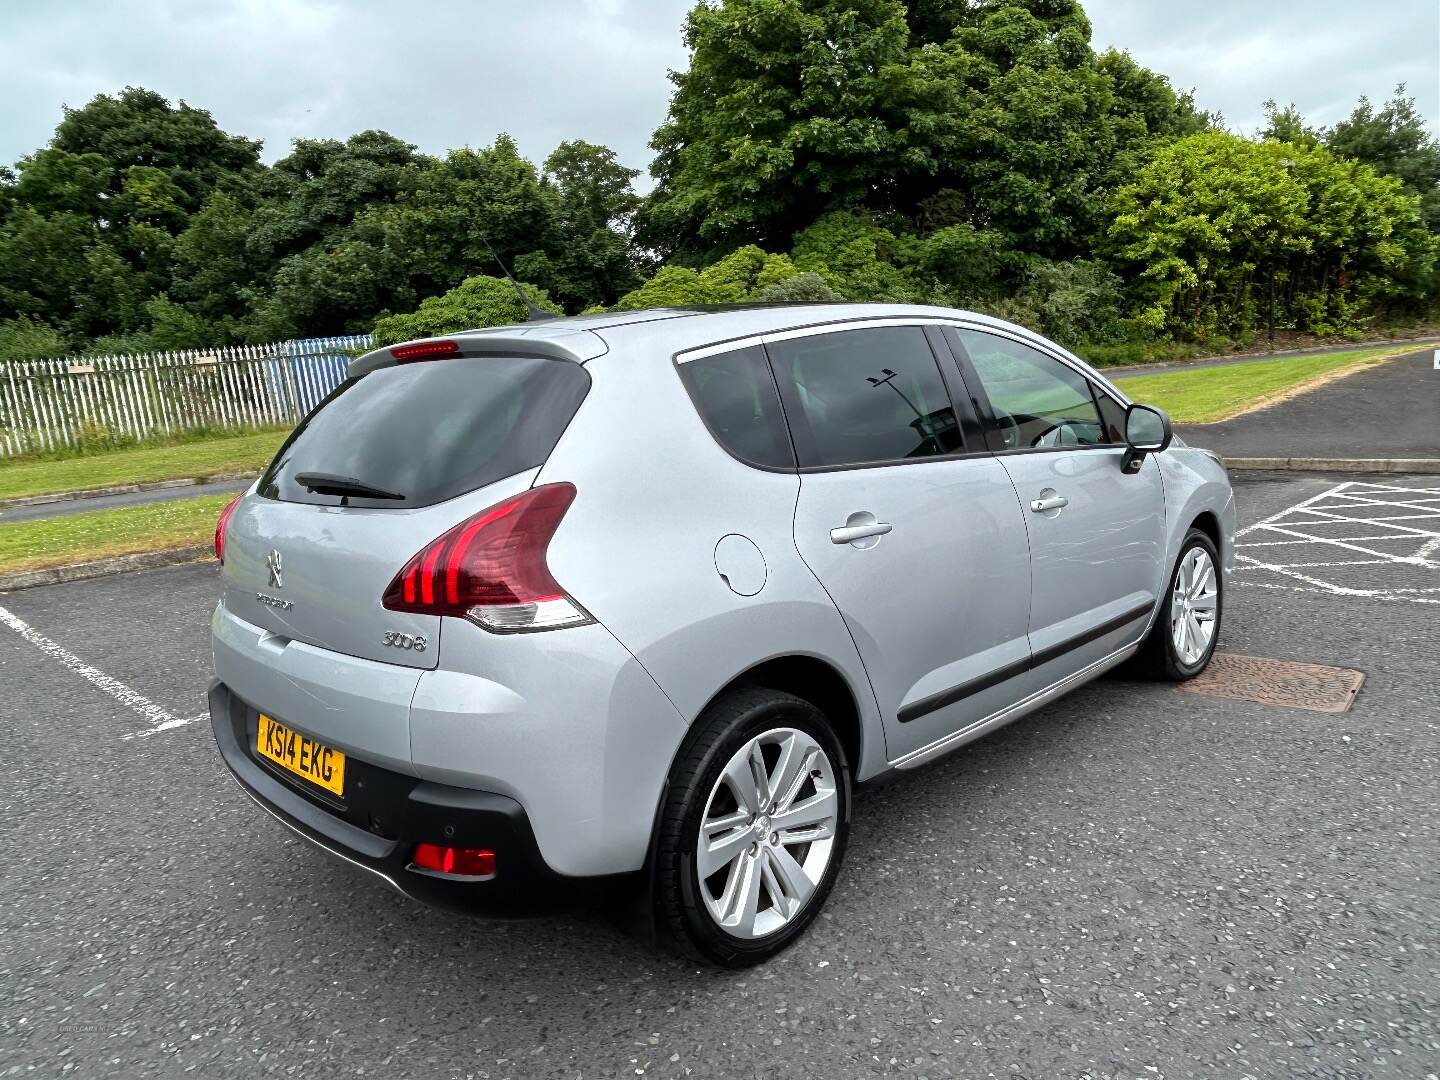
{"x": 1186, "y": 631}
{"x": 765, "y": 781}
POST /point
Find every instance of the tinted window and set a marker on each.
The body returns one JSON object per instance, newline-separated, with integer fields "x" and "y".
{"x": 431, "y": 431}
{"x": 1037, "y": 400}
{"x": 858, "y": 396}
{"x": 736, "y": 397}
{"x": 1112, "y": 414}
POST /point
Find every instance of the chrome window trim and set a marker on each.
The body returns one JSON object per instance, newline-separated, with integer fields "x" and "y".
{"x": 1047, "y": 348}
{"x": 812, "y": 330}
{"x": 959, "y": 322}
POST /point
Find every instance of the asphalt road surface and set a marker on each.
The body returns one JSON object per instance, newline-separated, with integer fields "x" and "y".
{"x": 1137, "y": 882}
{"x": 67, "y": 507}
{"x": 1391, "y": 410}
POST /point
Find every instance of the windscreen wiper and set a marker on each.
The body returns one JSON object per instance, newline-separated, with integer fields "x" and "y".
{"x": 345, "y": 486}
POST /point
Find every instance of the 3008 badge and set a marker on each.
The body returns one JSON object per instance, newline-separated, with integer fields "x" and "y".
{"x": 397, "y": 640}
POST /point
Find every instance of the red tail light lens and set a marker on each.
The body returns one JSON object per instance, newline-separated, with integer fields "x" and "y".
{"x": 459, "y": 862}
{"x": 424, "y": 350}
{"x": 491, "y": 568}
{"x": 220, "y": 525}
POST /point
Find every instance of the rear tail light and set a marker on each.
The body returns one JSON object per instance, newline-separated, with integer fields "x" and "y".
{"x": 220, "y": 525}
{"x": 491, "y": 568}
{"x": 424, "y": 350}
{"x": 456, "y": 862}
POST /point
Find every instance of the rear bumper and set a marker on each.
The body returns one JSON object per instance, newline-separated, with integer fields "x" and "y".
{"x": 385, "y": 814}
{"x": 566, "y": 724}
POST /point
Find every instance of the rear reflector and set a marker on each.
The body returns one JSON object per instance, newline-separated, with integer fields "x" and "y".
{"x": 220, "y": 526}
{"x": 456, "y": 862}
{"x": 424, "y": 350}
{"x": 491, "y": 568}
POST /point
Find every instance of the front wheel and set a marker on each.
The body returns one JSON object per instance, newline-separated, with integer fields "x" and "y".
{"x": 1186, "y": 631}
{"x": 753, "y": 829}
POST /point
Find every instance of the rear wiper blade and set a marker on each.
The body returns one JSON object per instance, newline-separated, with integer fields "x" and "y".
{"x": 331, "y": 484}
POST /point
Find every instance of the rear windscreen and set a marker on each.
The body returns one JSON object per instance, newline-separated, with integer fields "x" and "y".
{"x": 428, "y": 432}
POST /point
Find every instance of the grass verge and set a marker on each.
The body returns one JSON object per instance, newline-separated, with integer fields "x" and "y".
{"x": 1209, "y": 395}
{"x": 141, "y": 465}
{"x": 62, "y": 541}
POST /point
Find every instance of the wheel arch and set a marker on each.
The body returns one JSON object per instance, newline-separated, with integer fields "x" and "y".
{"x": 816, "y": 681}
{"x": 1209, "y": 524}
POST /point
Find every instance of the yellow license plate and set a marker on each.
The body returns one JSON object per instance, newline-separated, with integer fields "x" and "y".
{"x": 304, "y": 757}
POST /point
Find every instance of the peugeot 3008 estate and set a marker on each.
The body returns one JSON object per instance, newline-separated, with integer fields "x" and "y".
{"x": 647, "y": 594}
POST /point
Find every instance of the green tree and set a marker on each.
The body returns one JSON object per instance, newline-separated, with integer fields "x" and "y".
{"x": 56, "y": 182}
{"x": 789, "y": 107}
{"x": 476, "y": 302}
{"x": 1394, "y": 142}
{"x": 860, "y": 259}
{"x": 317, "y": 190}
{"x": 595, "y": 190}
{"x": 218, "y": 275}
{"x": 439, "y": 231}
{"x": 140, "y": 127}
{"x": 1287, "y": 125}
{"x": 332, "y": 288}
{"x": 91, "y": 222}
{"x": 995, "y": 115}
{"x": 28, "y": 339}
{"x": 42, "y": 264}
{"x": 589, "y": 261}
{"x": 744, "y": 274}
{"x": 1213, "y": 217}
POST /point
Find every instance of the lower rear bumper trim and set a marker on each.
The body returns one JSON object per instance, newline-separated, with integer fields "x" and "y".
{"x": 414, "y": 811}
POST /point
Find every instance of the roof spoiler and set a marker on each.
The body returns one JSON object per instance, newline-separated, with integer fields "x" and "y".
{"x": 555, "y": 342}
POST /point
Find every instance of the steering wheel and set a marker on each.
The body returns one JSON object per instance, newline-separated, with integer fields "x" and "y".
{"x": 1060, "y": 434}
{"x": 1009, "y": 427}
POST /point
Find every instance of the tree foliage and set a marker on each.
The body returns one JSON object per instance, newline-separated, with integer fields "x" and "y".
{"x": 1393, "y": 141}
{"x": 974, "y": 153}
{"x": 476, "y": 302}
{"x": 996, "y": 115}
{"x": 1209, "y": 220}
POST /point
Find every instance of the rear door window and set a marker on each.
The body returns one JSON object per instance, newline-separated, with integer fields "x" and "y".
{"x": 428, "y": 432}
{"x": 863, "y": 396}
{"x": 736, "y": 397}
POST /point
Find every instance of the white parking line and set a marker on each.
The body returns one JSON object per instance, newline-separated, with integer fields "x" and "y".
{"x": 1354, "y": 504}
{"x": 160, "y": 720}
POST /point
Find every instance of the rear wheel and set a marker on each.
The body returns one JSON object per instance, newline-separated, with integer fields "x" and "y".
{"x": 753, "y": 829}
{"x": 1185, "y": 633}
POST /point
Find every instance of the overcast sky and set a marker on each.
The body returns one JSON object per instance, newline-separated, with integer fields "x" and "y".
{"x": 448, "y": 73}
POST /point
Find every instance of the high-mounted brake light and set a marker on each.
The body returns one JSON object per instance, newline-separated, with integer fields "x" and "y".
{"x": 424, "y": 350}
{"x": 220, "y": 526}
{"x": 491, "y": 568}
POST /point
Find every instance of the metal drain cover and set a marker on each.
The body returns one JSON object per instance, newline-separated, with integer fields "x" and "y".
{"x": 1278, "y": 682}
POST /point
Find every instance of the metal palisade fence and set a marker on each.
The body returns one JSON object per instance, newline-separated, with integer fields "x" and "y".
{"x": 49, "y": 404}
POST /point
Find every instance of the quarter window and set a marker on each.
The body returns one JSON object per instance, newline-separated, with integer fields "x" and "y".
{"x": 735, "y": 395}
{"x": 1037, "y": 400}
{"x": 861, "y": 396}
{"x": 1112, "y": 413}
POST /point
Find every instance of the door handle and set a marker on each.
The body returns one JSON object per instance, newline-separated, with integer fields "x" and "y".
{"x": 850, "y": 533}
{"x": 1053, "y": 502}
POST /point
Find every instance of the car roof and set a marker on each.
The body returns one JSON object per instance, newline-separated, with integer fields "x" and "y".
{"x": 686, "y": 327}
{"x": 671, "y": 330}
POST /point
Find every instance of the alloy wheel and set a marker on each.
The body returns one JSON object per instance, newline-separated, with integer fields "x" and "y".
{"x": 768, "y": 832}
{"x": 1194, "y": 605}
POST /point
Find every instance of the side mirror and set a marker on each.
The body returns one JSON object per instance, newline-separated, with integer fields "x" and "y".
{"x": 1147, "y": 431}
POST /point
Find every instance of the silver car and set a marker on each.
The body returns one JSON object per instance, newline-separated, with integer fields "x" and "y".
{"x": 638, "y": 599}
